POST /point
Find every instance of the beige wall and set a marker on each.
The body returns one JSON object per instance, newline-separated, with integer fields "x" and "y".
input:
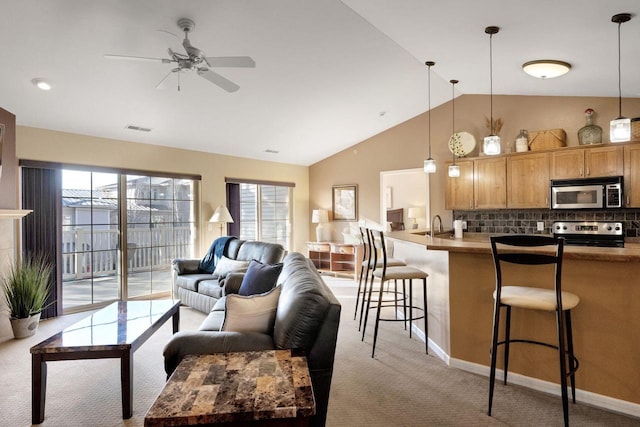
{"x": 52, "y": 146}
{"x": 405, "y": 146}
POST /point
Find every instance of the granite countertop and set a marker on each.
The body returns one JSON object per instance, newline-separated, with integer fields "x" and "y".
{"x": 235, "y": 388}
{"x": 479, "y": 243}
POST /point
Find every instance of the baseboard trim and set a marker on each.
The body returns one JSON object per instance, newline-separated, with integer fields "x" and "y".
{"x": 585, "y": 397}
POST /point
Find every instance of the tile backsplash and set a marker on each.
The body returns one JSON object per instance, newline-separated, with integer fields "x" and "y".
{"x": 525, "y": 221}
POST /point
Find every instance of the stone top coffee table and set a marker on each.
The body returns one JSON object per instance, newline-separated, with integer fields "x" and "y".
{"x": 269, "y": 387}
{"x": 115, "y": 331}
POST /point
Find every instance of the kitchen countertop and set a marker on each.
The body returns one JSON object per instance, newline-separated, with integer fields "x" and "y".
{"x": 479, "y": 243}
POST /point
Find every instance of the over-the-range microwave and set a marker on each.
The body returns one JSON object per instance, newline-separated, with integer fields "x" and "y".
{"x": 587, "y": 193}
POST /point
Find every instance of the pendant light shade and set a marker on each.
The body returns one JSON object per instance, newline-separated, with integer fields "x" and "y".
{"x": 491, "y": 144}
{"x": 620, "y": 127}
{"x": 454, "y": 170}
{"x": 429, "y": 164}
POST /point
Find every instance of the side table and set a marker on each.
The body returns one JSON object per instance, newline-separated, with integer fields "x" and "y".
{"x": 261, "y": 388}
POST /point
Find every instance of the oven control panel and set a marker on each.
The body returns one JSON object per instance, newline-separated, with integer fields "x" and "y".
{"x": 587, "y": 228}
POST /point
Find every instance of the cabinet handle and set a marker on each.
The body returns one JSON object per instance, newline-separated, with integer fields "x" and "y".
{"x": 581, "y": 172}
{"x": 588, "y": 171}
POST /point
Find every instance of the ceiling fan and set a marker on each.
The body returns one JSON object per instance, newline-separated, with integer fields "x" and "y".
{"x": 195, "y": 61}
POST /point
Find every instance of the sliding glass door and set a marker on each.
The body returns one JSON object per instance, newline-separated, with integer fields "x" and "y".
{"x": 120, "y": 233}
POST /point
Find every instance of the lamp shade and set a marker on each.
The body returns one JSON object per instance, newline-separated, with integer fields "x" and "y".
{"x": 430, "y": 165}
{"x": 415, "y": 212}
{"x": 454, "y": 171}
{"x": 319, "y": 216}
{"x": 491, "y": 145}
{"x": 620, "y": 130}
{"x": 221, "y": 214}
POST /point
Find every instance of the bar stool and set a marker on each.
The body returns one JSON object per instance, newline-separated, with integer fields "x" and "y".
{"x": 368, "y": 264}
{"x": 385, "y": 273}
{"x": 521, "y": 249}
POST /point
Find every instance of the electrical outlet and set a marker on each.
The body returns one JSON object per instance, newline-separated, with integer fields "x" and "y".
{"x": 540, "y": 225}
{"x": 464, "y": 225}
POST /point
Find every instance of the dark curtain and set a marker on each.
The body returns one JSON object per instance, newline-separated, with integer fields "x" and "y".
{"x": 41, "y": 192}
{"x": 233, "y": 204}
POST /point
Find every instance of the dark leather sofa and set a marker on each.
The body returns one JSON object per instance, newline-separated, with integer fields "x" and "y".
{"x": 307, "y": 318}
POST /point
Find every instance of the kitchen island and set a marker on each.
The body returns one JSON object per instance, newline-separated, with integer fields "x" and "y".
{"x": 606, "y": 323}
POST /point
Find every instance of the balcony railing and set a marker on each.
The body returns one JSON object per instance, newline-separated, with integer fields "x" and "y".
{"x": 94, "y": 253}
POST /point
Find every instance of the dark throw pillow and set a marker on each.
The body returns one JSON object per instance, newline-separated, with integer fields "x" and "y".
{"x": 259, "y": 278}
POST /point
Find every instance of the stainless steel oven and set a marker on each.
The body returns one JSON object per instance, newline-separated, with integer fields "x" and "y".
{"x": 587, "y": 193}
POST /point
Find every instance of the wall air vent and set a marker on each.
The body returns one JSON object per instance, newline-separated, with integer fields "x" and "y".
{"x": 138, "y": 128}
{"x": 269, "y": 150}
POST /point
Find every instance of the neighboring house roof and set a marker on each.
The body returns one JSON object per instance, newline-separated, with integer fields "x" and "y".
{"x": 82, "y": 198}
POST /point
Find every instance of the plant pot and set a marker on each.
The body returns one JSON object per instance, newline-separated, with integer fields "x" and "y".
{"x": 23, "y": 328}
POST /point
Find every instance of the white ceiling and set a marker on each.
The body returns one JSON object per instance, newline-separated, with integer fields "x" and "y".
{"x": 328, "y": 74}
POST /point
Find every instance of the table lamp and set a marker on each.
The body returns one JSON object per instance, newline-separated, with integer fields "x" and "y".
{"x": 320, "y": 217}
{"x": 222, "y": 216}
{"x": 413, "y": 214}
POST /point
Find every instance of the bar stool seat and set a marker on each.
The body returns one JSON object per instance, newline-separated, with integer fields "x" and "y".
{"x": 535, "y": 298}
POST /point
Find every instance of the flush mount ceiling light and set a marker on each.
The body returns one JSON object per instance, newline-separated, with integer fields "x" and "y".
{"x": 546, "y": 68}
{"x": 41, "y": 83}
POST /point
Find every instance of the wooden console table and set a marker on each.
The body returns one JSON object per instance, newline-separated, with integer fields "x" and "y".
{"x": 265, "y": 388}
{"x": 336, "y": 258}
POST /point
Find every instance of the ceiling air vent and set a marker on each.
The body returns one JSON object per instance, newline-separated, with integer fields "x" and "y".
{"x": 138, "y": 128}
{"x": 269, "y": 150}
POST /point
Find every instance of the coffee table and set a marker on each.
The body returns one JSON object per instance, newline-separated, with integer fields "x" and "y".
{"x": 266, "y": 388}
{"x": 115, "y": 331}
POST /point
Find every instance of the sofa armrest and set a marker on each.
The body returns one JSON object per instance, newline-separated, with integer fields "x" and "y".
{"x": 232, "y": 283}
{"x": 209, "y": 342}
{"x": 186, "y": 266}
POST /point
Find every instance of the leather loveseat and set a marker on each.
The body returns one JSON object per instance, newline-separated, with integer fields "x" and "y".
{"x": 307, "y": 318}
{"x": 201, "y": 290}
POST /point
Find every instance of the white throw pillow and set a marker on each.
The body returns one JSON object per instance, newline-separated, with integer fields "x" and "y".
{"x": 254, "y": 313}
{"x": 226, "y": 265}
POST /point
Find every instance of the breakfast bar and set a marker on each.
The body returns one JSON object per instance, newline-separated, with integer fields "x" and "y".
{"x": 605, "y": 324}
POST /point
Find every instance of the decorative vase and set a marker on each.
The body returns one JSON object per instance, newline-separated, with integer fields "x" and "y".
{"x": 26, "y": 327}
{"x": 590, "y": 133}
{"x": 522, "y": 141}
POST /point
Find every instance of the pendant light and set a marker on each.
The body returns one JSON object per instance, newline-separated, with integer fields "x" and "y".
{"x": 454, "y": 170}
{"x": 620, "y": 128}
{"x": 492, "y": 142}
{"x": 429, "y": 164}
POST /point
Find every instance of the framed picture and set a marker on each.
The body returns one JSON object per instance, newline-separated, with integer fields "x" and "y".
{"x": 345, "y": 202}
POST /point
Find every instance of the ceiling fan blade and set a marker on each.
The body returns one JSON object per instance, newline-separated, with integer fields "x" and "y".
{"x": 138, "y": 58}
{"x": 231, "y": 61}
{"x": 217, "y": 79}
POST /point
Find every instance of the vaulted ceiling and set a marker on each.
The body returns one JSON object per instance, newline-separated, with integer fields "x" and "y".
{"x": 328, "y": 73}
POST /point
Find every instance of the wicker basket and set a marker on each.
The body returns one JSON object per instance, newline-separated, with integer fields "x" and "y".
{"x": 545, "y": 139}
{"x": 635, "y": 129}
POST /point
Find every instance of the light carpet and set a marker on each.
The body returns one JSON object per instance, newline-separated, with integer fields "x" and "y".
{"x": 401, "y": 386}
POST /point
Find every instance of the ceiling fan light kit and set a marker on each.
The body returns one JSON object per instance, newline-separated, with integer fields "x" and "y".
{"x": 546, "y": 68}
{"x": 620, "y": 127}
{"x": 195, "y": 60}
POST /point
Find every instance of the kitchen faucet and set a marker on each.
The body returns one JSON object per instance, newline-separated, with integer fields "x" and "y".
{"x": 433, "y": 226}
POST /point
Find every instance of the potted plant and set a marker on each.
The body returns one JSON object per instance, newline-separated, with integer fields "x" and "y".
{"x": 26, "y": 287}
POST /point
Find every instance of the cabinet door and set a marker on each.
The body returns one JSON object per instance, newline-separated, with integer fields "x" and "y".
{"x": 632, "y": 175}
{"x": 567, "y": 164}
{"x": 459, "y": 191}
{"x": 603, "y": 161}
{"x": 490, "y": 183}
{"x": 528, "y": 181}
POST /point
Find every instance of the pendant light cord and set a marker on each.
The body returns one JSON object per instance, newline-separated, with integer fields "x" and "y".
{"x": 491, "y": 80}
{"x": 429, "y": 97}
{"x": 453, "y": 115}
{"x": 619, "y": 74}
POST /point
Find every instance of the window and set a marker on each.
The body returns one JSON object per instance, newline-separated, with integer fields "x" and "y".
{"x": 262, "y": 211}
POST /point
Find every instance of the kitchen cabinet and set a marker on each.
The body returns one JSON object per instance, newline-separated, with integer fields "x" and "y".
{"x": 632, "y": 175}
{"x": 459, "y": 191}
{"x": 490, "y": 183}
{"x": 528, "y": 181}
{"x": 587, "y": 162}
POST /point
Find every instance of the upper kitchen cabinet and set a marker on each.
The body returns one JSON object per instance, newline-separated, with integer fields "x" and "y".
{"x": 459, "y": 191}
{"x": 632, "y": 175}
{"x": 489, "y": 183}
{"x": 587, "y": 162}
{"x": 528, "y": 181}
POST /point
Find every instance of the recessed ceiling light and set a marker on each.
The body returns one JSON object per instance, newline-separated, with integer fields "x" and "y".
{"x": 41, "y": 83}
{"x": 546, "y": 68}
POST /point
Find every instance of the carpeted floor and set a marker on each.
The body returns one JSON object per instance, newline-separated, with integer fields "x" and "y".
{"x": 400, "y": 387}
